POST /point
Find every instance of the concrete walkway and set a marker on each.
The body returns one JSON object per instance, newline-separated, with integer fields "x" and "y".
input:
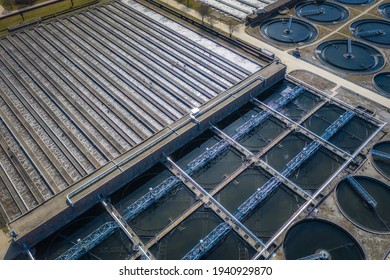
{"x": 292, "y": 62}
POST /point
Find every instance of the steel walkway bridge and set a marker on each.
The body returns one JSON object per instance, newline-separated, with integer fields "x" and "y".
{"x": 104, "y": 231}
{"x": 368, "y": 33}
{"x": 312, "y": 12}
{"x": 321, "y": 255}
{"x": 381, "y": 154}
{"x": 367, "y": 198}
{"x": 265, "y": 191}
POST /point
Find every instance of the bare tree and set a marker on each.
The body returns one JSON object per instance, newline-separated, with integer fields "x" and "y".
{"x": 211, "y": 19}
{"x": 204, "y": 11}
{"x": 24, "y": 2}
{"x": 233, "y": 26}
{"x": 7, "y": 4}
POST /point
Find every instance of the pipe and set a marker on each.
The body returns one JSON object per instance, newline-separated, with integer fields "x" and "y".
{"x": 349, "y": 54}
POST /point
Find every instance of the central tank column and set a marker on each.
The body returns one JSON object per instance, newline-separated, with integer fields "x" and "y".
{"x": 349, "y": 54}
{"x": 289, "y": 24}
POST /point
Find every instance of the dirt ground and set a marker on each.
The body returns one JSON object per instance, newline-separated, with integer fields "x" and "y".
{"x": 314, "y": 80}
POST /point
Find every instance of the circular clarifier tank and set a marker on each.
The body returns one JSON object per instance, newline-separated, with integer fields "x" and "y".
{"x": 322, "y": 12}
{"x": 376, "y": 31}
{"x": 382, "y": 83}
{"x": 366, "y": 202}
{"x": 288, "y": 31}
{"x": 350, "y": 56}
{"x": 384, "y": 10}
{"x": 387, "y": 257}
{"x": 310, "y": 237}
{"x": 356, "y": 2}
{"x": 381, "y": 157}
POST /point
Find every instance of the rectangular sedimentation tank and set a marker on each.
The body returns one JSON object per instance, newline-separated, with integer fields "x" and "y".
{"x": 82, "y": 90}
{"x": 91, "y": 100}
{"x": 155, "y": 212}
{"x": 50, "y": 216}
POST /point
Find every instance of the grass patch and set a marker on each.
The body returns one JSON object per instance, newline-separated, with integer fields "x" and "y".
{"x": 77, "y": 3}
{"x": 10, "y": 21}
{"x": 42, "y": 12}
{"x": 48, "y": 10}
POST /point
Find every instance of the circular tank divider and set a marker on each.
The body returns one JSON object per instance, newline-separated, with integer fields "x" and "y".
{"x": 381, "y": 82}
{"x": 310, "y": 239}
{"x": 350, "y": 56}
{"x": 387, "y": 257}
{"x": 384, "y": 10}
{"x": 376, "y": 31}
{"x": 365, "y": 202}
{"x": 356, "y": 2}
{"x": 380, "y": 154}
{"x": 288, "y": 31}
{"x": 322, "y": 12}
